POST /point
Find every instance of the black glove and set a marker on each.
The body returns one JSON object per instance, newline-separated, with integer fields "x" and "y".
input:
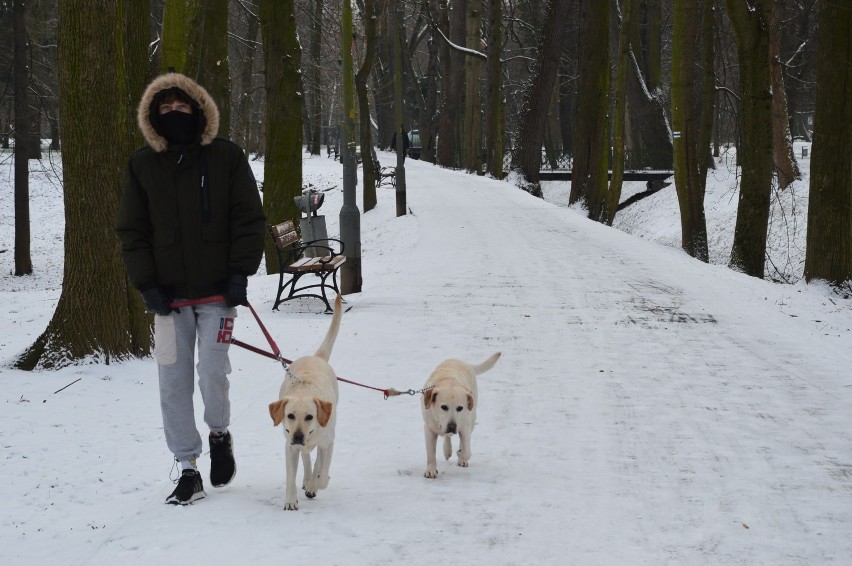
{"x": 157, "y": 301}
{"x": 236, "y": 292}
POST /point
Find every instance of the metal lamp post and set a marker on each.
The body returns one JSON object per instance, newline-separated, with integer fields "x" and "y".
{"x": 350, "y": 216}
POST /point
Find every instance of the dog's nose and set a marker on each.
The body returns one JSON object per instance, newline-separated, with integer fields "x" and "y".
{"x": 451, "y": 428}
{"x": 298, "y": 438}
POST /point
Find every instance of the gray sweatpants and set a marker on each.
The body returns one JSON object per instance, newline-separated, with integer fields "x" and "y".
{"x": 175, "y": 335}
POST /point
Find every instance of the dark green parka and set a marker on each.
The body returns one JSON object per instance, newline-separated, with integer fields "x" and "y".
{"x": 175, "y": 231}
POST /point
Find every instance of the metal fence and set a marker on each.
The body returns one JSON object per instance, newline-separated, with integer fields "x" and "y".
{"x": 634, "y": 160}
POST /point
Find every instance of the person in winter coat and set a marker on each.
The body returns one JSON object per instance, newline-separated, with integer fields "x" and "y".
{"x": 405, "y": 143}
{"x": 191, "y": 226}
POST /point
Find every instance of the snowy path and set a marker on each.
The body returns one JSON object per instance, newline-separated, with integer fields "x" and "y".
{"x": 648, "y": 409}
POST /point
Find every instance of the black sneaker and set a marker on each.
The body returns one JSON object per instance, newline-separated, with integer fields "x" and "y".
{"x": 222, "y": 465}
{"x": 189, "y": 488}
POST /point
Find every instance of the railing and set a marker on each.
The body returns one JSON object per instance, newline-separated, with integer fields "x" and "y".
{"x": 634, "y": 160}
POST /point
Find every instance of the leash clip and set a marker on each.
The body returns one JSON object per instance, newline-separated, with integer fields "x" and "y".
{"x": 394, "y": 393}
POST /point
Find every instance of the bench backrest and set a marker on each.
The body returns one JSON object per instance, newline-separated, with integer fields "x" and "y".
{"x": 284, "y": 235}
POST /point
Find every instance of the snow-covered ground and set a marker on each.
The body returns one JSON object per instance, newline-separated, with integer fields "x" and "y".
{"x": 648, "y": 408}
{"x": 657, "y": 217}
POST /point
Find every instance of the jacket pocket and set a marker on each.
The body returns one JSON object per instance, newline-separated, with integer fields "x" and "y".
{"x": 216, "y": 251}
{"x": 215, "y": 232}
{"x": 168, "y": 257}
{"x": 163, "y": 236}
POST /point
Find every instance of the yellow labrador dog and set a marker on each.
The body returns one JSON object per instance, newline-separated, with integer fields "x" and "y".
{"x": 307, "y": 407}
{"x": 449, "y": 407}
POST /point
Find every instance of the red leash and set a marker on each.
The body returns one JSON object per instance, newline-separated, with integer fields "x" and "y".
{"x": 276, "y": 352}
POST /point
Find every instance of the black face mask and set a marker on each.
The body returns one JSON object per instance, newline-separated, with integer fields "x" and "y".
{"x": 178, "y": 127}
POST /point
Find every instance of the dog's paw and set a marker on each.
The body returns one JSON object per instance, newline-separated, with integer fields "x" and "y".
{"x": 294, "y": 506}
{"x": 431, "y": 473}
{"x": 322, "y": 482}
{"x": 463, "y": 463}
{"x": 310, "y": 488}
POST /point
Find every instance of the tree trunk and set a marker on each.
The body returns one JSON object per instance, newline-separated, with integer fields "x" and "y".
{"x": 589, "y": 171}
{"x": 538, "y": 95}
{"x": 383, "y": 79}
{"x": 687, "y": 153}
{"x": 138, "y": 74}
{"x": 366, "y": 136}
{"x": 496, "y": 119}
{"x": 472, "y": 132}
{"x": 653, "y": 53}
{"x": 708, "y": 92}
{"x": 618, "y": 142}
{"x": 92, "y": 320}
{"x": 455, "y": 96}
{"x": 567, "y": 86}
{"x": 213, "y": 69}
{"x": 52, "y": 114}
{"x": 182, "y": 21}
{"x": 316, "y": 80}
{"x": 748, "y": 253}
{"x": 801, "y": 68}
{"x": 829, "y": 247}
{"x": 429, "y": 125}
{"x": 421, "y": 94}
{"x": 397, "y": 28}
{"x": 647, "y": 132}
{"x": 782, "y": 142}
{"x": 244, "y": 120}
{"x": 446, "y": 144}
{"x": 5, "y": 123}
{"x": 23, "y": 258}
{"x": 282, "y": 172}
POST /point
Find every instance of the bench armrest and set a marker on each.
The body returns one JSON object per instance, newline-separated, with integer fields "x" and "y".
{"x": 324, "y": 243}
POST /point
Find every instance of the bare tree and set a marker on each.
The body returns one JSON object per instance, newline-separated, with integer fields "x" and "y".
{"x": 368, "y": 17}
{"x": 648, "y": 133}
{"x": 315, "y": 65}
{"x": 246, "y": 94}
{"x": 829, "y": 248}
{"x": 472, "y": 131}
{"x": 213, "y": 70}
{"x": 451, "y": 22}
{"x": 782, "y": 142}
{"x": 496, "y": 116}
{"x": 798, "y": 61}
{"x": 750, "y": 22}
{"x": 688, "y": 155}
{"x": 282, "y": 177}
{"x": 397, "y": 29}
{"x": 179, "y": 46}
{"x": 589, "y": 172}
{"x": 23, "y": 142}
{"x": 383, "y": 81}
{"x": 94, "y": 319}
{"x": 539, "y": 93}
{"x": 618, "y": 141}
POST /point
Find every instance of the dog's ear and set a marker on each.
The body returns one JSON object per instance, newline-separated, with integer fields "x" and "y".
{"x": 469, "y": 402}
{"x": 323, "y": 411}
{"x": 429, "y": 397}
{"x": 276, "y": 411}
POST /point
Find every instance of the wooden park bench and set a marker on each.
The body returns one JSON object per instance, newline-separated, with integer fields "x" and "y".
{"x": 296, "y": 259}
{"x": 387, "y": 176}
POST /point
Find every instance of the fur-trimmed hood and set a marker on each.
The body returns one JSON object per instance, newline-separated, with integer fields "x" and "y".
{"x": 209, "y": 118}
